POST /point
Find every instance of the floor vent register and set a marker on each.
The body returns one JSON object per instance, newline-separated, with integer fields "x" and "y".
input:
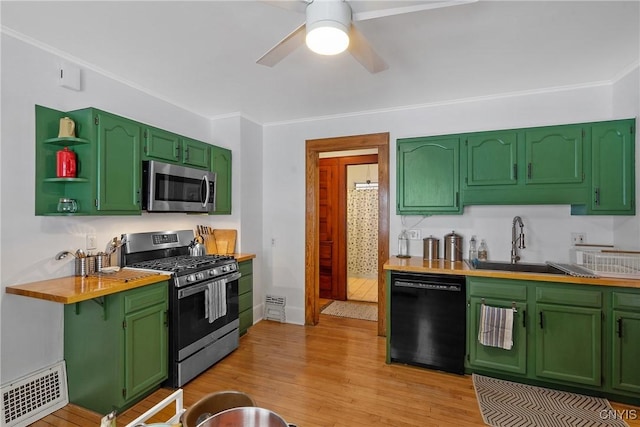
{"x": 274, "y": 308}
{"x": 34, "y": 396}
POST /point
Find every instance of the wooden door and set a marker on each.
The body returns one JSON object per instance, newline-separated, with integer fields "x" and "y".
{"x": 328, "y": 232}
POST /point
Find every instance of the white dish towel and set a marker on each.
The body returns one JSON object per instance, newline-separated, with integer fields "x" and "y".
{"x": 496, "y": 327}
{"x": 215, "y": 300}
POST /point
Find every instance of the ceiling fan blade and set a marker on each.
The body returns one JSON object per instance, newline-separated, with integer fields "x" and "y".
{"x": 295, "y": 5}
{"x": 360, "y": 48}
{"x": 287, "y": 45}
{"x": 372, "y": 14}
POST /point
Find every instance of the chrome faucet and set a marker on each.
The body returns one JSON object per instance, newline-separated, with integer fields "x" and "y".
{"x": 516, "y": 242}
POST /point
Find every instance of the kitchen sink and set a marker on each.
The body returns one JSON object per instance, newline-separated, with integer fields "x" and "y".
{"x": 520, "y": 267}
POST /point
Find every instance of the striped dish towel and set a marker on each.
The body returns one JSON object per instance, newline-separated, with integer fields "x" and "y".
{"x": 496, "y": 327}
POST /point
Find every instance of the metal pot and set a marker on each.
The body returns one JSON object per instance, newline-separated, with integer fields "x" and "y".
{"x": 431, "y": 248}
{"x": 453, "y": 247}
{"x": 245, "y": 416}
{"x": 197, "y": 248}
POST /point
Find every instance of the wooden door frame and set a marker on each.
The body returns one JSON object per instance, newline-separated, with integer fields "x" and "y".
{"x": 379, "y": 141}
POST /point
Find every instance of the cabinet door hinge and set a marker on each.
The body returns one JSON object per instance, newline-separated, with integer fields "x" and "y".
{"x": 466, "y": 142}
{"x": 96, "y": 120}
{"x": 145, "y": 148}
{"x": 583, "y": 133}
{"x": 95, "y": 201}
{"x": 124, "y": 392}
{"x": 631, "y": 129}
{"x": 145, "y": 134}
{"x": 468, "y": 358}
{"x": 124, "y": 324}
{"x": 602, "y": 315}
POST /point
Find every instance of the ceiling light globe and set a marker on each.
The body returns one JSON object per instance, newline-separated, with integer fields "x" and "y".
{"x": 327, "y": 38}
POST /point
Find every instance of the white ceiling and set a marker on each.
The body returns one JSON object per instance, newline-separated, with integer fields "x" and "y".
{"x": 201, "y": 55}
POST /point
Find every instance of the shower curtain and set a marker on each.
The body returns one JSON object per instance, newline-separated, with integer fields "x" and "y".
{"x": 362, "y": 233}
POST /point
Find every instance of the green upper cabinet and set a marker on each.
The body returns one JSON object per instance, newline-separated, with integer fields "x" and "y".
{"x": 119, "y": 164}
{"x": 161, "y": 145}
{"x": 172, "y": 148}
{"x": 428, "y": 176}
{"x": 48, "y": 187}
{"x": 492, "y": 158}
{"x": 107, "y": 151}
{"x": 613, "y": 167}
{"x": 195, "y": 153}
{"x": 221, "y": 165}
{"x": 553, "y": 155}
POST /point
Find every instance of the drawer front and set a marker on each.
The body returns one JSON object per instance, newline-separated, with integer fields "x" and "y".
{"x": 502, "y": 289}
{"x": 571, "y": 297}
{"x": 245, "y": 301}
{"x": 626, "y": 301}
{"x": 246, "y": 267}
{"x": 146, "y": 296}
{"x": 246, "y": 320}
{"x": 245, "y": 284}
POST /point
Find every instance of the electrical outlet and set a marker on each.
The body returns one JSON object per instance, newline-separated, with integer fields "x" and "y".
{"x": 92, "y": 242}
{"x": 414, "y": 234}
{"x": 578, "y": 238}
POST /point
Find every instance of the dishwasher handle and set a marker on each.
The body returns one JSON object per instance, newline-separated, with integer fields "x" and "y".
{"x": 452, "y": 287}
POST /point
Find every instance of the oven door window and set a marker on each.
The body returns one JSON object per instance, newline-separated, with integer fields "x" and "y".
{"x": 192, "y": 317}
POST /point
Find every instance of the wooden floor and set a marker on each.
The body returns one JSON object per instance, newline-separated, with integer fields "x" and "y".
{"x": 362, "y": 289}
{"x": 330, "y": 375}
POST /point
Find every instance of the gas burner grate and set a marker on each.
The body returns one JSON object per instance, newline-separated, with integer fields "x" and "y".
{"x": 182, "y": 262}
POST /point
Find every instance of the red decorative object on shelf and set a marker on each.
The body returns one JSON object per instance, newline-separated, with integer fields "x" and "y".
{"x": 66, "y": 163}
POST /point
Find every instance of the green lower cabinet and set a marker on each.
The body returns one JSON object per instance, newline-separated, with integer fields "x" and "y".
{"x": 512, "y": 361}
{"x": 569, "y": 344}
{"x": 574, "y": 337}
{"x": 626, "y": 351}
{"x": 115, "y": 347}
{"x": 245, "y": 296}
{"x": 625, "y": 332}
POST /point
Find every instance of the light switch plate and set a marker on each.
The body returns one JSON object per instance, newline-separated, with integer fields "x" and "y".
{"x": 92, "y": 242}
{"x": 414, "y": 234}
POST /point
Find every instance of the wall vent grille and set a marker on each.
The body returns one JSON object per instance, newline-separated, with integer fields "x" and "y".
{"x": 274, "y": 308}
{"x": 34, "y": 396}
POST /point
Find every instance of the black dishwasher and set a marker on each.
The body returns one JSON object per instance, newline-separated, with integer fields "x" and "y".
{"x": 428, "y": 320}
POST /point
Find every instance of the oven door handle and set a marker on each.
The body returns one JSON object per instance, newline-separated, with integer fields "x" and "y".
{"x": 191, "y": 290}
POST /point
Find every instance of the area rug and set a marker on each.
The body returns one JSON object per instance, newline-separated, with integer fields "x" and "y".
{"x": 352, "y": 309}
{"x": 509, "y": 404}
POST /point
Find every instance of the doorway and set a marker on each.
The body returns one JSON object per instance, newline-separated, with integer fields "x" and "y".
{"x": 348, "y": 225}
{"x": 312, "y": 239}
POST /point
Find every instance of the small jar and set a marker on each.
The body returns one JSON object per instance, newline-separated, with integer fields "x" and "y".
{"x": 67, "y": 205}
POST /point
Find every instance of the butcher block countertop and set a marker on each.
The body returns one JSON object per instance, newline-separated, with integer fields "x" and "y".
{"x": 440, "y": 266}
{"x": 71, "y": 289}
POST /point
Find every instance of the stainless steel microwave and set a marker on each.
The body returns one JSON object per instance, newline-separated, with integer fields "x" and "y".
{"x": 175, "y": 188}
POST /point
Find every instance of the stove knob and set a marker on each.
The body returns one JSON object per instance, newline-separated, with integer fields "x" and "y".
{"x": 224, "y": 269}
{"x": 212, "y": 273}
{"x": 191, "y": 278}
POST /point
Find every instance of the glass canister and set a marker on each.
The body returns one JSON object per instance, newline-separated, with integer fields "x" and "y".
{"x": 431, "y": 249}
{"x": 67, "y": 205}
{"x": 453, "y": 247}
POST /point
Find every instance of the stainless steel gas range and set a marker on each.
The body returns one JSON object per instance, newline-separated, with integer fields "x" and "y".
{"x": 203, "y": 299}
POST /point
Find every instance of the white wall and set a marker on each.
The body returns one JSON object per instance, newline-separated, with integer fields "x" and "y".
{"x": 626, "y": 104}
{"x": 547, "y": 228}
{"x": 32, "y": 329}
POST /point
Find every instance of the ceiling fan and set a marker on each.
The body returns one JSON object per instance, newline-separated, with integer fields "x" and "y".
{"x": 335, "y": 18}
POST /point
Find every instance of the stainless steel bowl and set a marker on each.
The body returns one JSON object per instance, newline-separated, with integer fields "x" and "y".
{"x": 245, "y": 416}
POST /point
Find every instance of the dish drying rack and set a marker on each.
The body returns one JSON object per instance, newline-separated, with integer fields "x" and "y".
{"x": 611, "y": 263}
